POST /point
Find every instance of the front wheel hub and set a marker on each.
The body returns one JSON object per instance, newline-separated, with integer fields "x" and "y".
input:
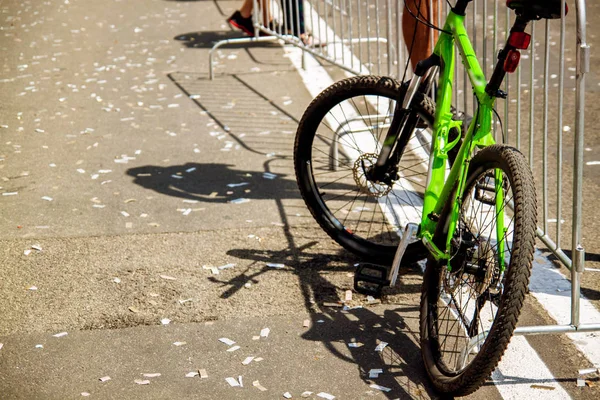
{"x": 363, "y": 176}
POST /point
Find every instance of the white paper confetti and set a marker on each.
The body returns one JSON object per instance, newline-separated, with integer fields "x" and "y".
{"x": 355, "y": 344}
{"x": 246, "y": 361}
{"x": 152, "y": 375}
{"x": 33, "y": 288}
{"x": 265, "y": 332}
{"x": 231, "y": 185}
{"x": 47, "y": 198}
{"x": 382, "y": 388}
{"x": 381, "y": 346}
{"x": 167, "y": 277}
{"x": 374, "y": 372}
{"x": 581, "y": 371}
{"x": 203, "y": 373}
{"x": 287, "y": 395}
{"x": 260, "y": 387}
{"x": 240, "y": 201}
{"x": 178, "y": 344}
{"x": 226, "y": 266}
{"x": 306, "y": 394}
{"x": 85, "y": 394}
{"x": 36, "y": 247}
{"x": 27, "y": 252}
{"x": 326, "y": 396}
{"x": 142, "y": 381}
{"x": 165, "y": 321}
{"x": 117, "y": 280}
{"x": 275, "y": 265}
{"x": 348, "y": 295}
{"x": 105, "y": 378}
{"x": 191, "y": 374}
{"x": 61, "y": 334}
{"x": 232, "y": 382}
{"x": 40, "y": 346}
{"x": 227, "y": 341}
{"x": 234, "y": 348}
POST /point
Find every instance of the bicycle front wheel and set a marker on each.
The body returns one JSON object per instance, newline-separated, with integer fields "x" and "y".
{"x": 338, "y": 139}
{"x": 469, "y": 311}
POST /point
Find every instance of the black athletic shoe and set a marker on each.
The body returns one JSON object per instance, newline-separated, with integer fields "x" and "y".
{"x": 239, "y": 22}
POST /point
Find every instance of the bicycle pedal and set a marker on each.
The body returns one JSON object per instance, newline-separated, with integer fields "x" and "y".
{"x": 370, "y": 279}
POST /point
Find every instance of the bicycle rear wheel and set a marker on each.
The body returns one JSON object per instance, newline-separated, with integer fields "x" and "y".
{"x": 339, "y": 137}
{"x": 469, "y": 314}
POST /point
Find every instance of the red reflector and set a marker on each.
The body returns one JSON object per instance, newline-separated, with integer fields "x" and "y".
{"x": 512, "y": 61}
{"x": 519, "y": 40}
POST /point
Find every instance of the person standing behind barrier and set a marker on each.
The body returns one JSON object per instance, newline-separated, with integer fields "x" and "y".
{"x": 293, "y": 23}
{"x": 418, "y": 36}
{"x": 242, "y": 18}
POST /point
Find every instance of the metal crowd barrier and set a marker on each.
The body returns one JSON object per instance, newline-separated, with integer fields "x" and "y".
{"x": 366, "y": 38}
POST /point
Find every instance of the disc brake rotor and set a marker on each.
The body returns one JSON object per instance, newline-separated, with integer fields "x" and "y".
{"x": 373, "y": 189}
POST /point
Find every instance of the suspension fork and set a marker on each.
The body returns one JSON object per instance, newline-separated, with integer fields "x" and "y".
{"x": 403, "y": 121}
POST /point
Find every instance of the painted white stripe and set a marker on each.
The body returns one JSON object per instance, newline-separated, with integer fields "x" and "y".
{"x": 553, "y": 290}
{"x": 520, "y": 368}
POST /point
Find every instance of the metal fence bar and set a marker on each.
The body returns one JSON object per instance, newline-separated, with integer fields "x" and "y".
{"x": 583, "y": 64}
{"x": 531, "y": 94}
{"x": 545, "y": 130}
{"x": 561, "y": 82}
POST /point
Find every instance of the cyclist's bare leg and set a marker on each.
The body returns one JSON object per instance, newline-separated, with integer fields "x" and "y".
{"x": 421, "y": 47}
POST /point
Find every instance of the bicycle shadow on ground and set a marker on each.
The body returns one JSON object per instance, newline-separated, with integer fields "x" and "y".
{"x": 323, "y": 275}
{"x": 335, "y": 327}
{"x": 213, "y": 183}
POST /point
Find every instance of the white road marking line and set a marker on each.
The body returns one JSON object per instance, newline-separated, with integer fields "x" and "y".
{"x": 552, "y": 289}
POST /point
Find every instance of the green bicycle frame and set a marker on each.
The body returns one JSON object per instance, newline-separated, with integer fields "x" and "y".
{"x": 440, "y": 188}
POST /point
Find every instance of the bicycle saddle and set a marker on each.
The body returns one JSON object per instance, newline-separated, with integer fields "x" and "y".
{"x": 537, "y": 9}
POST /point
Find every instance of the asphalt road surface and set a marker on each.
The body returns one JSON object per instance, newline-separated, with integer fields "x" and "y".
{"x": 128, "y": 179}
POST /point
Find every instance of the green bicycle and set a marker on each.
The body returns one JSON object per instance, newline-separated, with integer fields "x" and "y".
{"x": 394, "y": 177}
